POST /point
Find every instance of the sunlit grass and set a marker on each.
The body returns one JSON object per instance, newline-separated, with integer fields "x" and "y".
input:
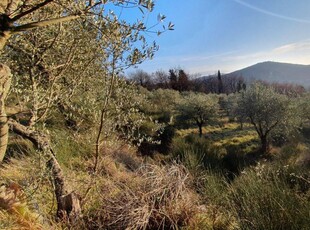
{"x": 241, "y": 138}
{"x": 228, "y": 134}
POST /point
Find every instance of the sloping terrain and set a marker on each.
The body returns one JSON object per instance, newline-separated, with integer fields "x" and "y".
{"x": 276, "y": 72}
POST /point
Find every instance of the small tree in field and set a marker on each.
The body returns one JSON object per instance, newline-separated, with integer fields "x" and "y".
{"x": 267, "y": 111}
{"x": 198, "y": 108}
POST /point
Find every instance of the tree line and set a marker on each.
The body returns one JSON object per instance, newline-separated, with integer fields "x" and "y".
{"x": 178, "y": 79}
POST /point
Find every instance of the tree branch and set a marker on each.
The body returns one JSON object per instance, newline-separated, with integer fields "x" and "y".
{"x": 48, "y": 22}
{"x": 255, "y": 126}
{"x": 42, "y": 4}
{"x": 271, "y": 127}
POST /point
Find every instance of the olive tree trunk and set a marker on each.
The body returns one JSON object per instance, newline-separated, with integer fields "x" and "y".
{"x": 5, "y": 83}
{"x": 68, "y": 203}
{"x": 199, "y": 124}
{"x": 264, "y": 144}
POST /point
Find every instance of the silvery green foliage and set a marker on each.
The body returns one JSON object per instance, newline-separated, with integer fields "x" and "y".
{"x": 198, "y": 107}
{"x": 303, "y": 103}
{"x": 50, "y": 64}
{"x": 229, "y": 103}
{"x": 163, "y": 104}
{"x": 58, "y": 63}
{"x": 123, "y": 113}
{"x": 272, "y": 114}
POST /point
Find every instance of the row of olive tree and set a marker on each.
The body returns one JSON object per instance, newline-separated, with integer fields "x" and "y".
{"x": 274, "y": 116}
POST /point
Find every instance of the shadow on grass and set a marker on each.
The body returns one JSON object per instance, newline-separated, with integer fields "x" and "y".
{"x": 196, "y": 152}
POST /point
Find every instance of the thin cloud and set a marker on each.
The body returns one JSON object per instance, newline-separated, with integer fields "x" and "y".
{"x": 291, "y": 48}
{"x": 272, "y": 13}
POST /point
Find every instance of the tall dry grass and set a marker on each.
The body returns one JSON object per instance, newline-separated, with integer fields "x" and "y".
{"x": 156, "y": 197}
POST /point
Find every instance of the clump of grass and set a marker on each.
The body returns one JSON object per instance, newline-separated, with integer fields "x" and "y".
{"x": 18, "y": 147}
{"x": 195, "y": 152}
{"x": 155, "y": 198}
{"x": 26, "y": 197}
{"x": 265, "y": 196}
{"x": 184, "y": 152}
{"x": 213, "y": 189}
{"x": 263, "y": 199}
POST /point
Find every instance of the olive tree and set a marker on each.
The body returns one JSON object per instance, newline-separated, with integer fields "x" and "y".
{"x": 20, "y": 18}
{"x": 304, "y": 106}
{"x": 268, "y": 111}
{"x": 198, "y": 108}
{"x": 50, "y": 66}
{"x": 230, "y": 105}
{"x": 53, "y": 62}
{"x": 163, "y": 104}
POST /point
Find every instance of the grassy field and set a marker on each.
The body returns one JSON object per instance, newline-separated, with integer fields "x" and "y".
{"x": 214, "y": 182}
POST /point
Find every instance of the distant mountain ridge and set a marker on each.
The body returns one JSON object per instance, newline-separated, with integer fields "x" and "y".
{"x": 276, "y": 72}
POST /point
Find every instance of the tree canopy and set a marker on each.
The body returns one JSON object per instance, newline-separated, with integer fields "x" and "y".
{"x": 198, "y": 108}
{"x": 267, "y": 111}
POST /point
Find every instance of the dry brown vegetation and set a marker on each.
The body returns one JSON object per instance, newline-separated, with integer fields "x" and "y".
{"x": 126, "y": 193}
{"x": 155, "y": 197}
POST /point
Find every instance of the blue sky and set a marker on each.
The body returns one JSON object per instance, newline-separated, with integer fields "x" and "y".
{"x": 231, "y": 34}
